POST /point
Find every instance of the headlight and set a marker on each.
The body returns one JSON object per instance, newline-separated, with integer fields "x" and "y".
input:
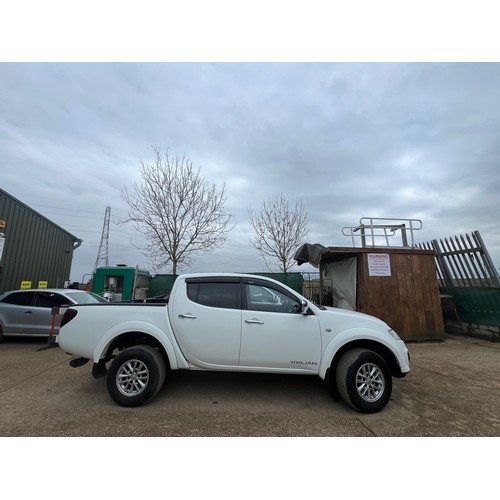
{"x": 393, "y": 334}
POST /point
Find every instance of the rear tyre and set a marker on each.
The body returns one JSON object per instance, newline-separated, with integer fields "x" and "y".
{"x": 364, "y": 380}
{"x": 136, "y": 375}
{"x": 1, "y": 334}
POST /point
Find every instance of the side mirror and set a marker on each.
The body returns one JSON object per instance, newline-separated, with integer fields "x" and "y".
{"x": 303, "y": 307}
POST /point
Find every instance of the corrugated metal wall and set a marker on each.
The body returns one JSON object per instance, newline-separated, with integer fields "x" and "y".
{"x": 35, "y": 249}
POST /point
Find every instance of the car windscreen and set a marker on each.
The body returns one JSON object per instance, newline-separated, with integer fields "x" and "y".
{"x": 85, "y": 298}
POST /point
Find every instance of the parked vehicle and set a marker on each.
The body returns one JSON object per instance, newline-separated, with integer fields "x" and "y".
{"x": 234, "y": 322}
{"x": 29, "y": 312}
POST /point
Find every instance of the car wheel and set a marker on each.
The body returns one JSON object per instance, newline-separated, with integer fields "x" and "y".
{"x": 136, "y": 375}
{"x": 364, "y": 380}
{"x": 1, "y": 334}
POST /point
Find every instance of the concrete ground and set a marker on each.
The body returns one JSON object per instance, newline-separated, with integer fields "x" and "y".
{"x": 452, "y": 390}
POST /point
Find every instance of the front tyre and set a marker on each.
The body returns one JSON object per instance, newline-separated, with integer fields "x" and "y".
{"x": 364, "y": 380}
{"x": 136, "y": 375}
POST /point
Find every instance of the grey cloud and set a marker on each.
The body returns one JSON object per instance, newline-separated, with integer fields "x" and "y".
{"x": 349, "y": 140}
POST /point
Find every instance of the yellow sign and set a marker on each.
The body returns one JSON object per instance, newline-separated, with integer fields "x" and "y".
{"x": 42, "y": 284}
{"x": 25, "y": 285}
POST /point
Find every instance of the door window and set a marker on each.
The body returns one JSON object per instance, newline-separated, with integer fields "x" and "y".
{"x": 48, "y": 299}
{"x": 263, "y": 298}
{"x": 222, "y": 295}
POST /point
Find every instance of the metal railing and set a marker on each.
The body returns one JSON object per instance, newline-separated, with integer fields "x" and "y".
{"x": 376, "y": 228}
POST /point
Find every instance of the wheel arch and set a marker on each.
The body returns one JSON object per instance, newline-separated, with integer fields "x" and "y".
{"x": 329, "y": 370}
{"x": 381, "y": 349}
{"x": 128, "y": 337}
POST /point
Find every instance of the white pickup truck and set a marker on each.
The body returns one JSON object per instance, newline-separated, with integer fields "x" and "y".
{"x": 234, "y": 322}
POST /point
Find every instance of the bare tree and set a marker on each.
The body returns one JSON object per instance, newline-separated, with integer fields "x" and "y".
{"x": 177, "y": 211}
{"x": 279, "y": 230}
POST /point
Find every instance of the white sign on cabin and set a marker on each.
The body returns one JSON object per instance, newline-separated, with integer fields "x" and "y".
{"x": 379, "y": 264}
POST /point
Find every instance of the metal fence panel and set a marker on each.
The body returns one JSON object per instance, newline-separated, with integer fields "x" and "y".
{"x": 463, "y": 261}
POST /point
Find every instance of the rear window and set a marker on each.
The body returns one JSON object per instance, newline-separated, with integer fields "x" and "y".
{"x": 19, "y": 298}
{"x": 85, "y": 298}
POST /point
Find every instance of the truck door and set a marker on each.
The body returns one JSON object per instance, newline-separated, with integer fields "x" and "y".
{"x": 274, "y": 332}
{"x": 206, "y": 317}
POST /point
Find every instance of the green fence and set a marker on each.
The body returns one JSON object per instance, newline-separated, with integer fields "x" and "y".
{"x": 294, "y": 280}
{"x": 476, "y": 305}
{"x": 161, "y": 284}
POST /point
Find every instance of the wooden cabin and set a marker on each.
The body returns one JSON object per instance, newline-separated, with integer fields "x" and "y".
{"x": 396, "y": 284}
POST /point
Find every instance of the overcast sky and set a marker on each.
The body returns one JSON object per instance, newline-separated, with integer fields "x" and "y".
{"x": 348, "y": 140}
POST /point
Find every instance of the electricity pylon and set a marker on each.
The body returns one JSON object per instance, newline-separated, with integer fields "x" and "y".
{"x": 103, "y": 253}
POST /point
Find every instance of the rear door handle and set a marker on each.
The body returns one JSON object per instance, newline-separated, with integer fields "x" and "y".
{"x": 187, "y": 316}
{"x": 28, "y": 312}
{"x": 254, "y": 321}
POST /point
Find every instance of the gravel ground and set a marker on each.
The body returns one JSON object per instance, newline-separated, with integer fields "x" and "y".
{"x": 453, "y": 389}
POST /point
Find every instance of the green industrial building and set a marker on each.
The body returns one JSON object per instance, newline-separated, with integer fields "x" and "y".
{"x": 34, "y": 252}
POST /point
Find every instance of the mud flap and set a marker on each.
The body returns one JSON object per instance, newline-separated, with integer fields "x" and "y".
{"x": 99, "y": 370}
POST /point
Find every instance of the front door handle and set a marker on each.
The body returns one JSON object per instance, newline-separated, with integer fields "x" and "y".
{"x": 187, "y": 316}
{"x": 28, "y": 312}
{"x": 254, "y": 321}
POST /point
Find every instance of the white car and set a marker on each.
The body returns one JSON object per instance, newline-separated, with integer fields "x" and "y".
{"x": 27, "y": 313}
